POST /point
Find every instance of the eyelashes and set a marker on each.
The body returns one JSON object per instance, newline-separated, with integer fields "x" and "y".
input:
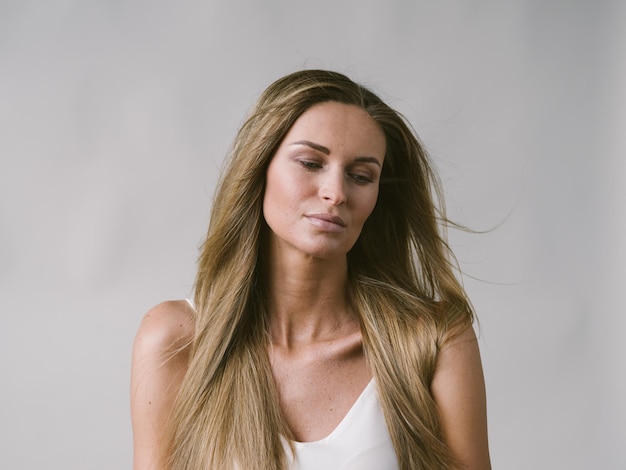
{"x": 361, "y": 179}
{"x": 358, "y": 178}
{"x": 309, "y": 165}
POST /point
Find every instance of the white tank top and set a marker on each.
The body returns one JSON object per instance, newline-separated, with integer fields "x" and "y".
{"x": 360, "y": 442}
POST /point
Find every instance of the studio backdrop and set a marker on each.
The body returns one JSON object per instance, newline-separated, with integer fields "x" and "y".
{"x": 115, "y": 118}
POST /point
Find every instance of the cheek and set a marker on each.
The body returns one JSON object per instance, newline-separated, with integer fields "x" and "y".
{"x": 279, "y": 193}
{"x": 280, "y": 198}
{"x": 368, "y": 205}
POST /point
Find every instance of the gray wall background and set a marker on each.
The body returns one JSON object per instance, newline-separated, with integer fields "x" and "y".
{"x": 114, "y": 120}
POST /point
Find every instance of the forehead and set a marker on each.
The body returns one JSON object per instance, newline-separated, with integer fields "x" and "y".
{"x": 340, "y": 127}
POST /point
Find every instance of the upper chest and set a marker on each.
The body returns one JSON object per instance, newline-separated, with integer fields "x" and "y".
{"x": 318, "y": 385}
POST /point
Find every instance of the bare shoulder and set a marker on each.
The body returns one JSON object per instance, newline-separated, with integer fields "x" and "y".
{"x": 160, "y": 357}
{"x": 465, "y": 336}
{"x": 168, "y": 326}
{"x": 458, "y": 388}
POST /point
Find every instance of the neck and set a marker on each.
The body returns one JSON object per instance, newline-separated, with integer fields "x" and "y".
{"x": 308, "y": 300}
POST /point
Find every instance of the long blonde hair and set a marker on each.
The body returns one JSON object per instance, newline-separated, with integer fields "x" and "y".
{"x": 402, "y": 283}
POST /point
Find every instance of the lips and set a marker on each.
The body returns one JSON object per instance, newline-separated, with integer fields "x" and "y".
{"x": 327, "y": 222}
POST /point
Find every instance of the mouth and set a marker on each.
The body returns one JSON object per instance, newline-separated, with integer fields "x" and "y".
{"x": 328, "y": 222}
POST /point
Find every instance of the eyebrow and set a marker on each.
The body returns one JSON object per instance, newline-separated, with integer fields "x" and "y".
{"x": 326, "y": 151}
{"x": 313, "y": 145}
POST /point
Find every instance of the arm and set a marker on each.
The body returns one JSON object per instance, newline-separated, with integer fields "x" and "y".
{"x": 158, "y": 367}
{"x": 458, "y": 388}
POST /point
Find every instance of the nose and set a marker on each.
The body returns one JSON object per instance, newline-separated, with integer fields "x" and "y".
{"x": 332, "y": 188}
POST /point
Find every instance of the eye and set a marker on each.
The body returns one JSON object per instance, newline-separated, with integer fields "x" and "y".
{"x": 310, "y": 165}
{"x": 361, "y": 179}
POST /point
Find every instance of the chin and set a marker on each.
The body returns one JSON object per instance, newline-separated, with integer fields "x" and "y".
{"x": 320, "y": 247}
{"x": 328, "y": 252}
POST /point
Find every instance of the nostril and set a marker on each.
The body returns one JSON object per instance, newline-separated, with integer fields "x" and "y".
{"x": 333, "y": 192}
{"x": 335, "y": 198}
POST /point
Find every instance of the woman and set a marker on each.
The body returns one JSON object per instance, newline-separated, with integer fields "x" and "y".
{"x": 328, "y": 329}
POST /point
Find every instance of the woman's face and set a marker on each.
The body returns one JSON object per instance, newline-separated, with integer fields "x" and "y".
{"x": 322, "y": 183}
